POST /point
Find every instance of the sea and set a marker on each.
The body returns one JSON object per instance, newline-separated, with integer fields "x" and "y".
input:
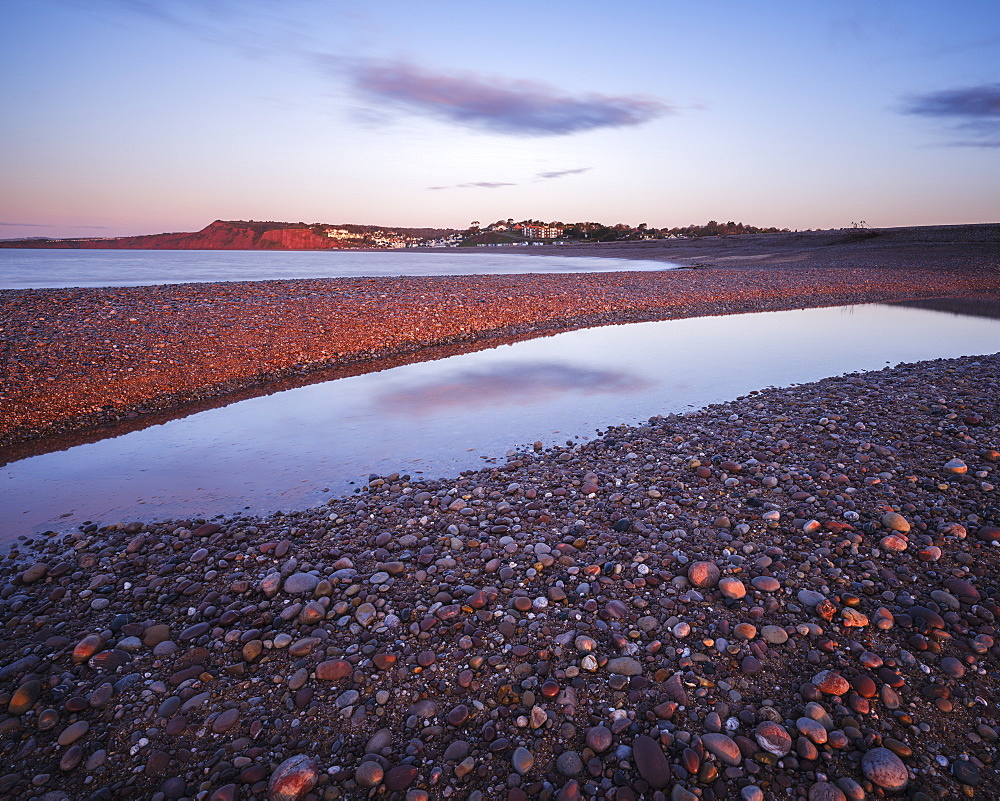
{"x": 26, "y": 268}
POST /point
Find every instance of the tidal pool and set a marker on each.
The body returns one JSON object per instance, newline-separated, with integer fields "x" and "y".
{"x": 296, "y": 448}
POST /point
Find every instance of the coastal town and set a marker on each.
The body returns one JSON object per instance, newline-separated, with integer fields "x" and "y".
{"x": 274, "y": 235}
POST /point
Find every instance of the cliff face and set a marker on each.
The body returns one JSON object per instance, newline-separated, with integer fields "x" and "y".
{"x": 219, "y": 235}
{"x": 297, "y": 239}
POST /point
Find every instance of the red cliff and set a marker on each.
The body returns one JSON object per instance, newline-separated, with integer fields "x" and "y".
{"x": 219, "y": 235}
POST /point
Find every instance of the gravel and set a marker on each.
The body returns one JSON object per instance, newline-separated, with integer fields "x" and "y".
{"x": 554, "y": 643}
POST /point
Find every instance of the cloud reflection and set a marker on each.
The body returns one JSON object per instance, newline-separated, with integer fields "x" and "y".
{"x": 516, "y": 384}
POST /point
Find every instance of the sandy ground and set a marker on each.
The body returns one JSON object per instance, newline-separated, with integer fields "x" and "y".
{"x": 77, "y": 360}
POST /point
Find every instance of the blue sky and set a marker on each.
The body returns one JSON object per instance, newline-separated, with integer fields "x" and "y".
{"x": 138, "y": 116}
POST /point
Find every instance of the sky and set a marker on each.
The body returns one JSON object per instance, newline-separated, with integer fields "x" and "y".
{"x": 145, "y": 116}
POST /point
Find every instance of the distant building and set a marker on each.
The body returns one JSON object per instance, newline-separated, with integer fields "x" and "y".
{"x": 530, "y": 231}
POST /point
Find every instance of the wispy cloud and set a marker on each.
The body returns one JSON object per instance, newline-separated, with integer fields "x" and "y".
{"x": 50, "y": 225}
{"x": 500, "y": 105}
{"x": 475, "y": 185}
{"x": 518, "y": 108}
{"x": 974, "y": 110}
{"x": 485, "y": 185}
{"x": 561, "y": 173}
{"x": 539, "y": 176}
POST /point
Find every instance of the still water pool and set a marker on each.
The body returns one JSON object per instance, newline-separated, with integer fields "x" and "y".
{"x": 296, "y": 448}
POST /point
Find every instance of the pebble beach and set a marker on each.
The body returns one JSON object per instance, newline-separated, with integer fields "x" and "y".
{"x": 789, "y": 595}
{"x": 77, "y": 361}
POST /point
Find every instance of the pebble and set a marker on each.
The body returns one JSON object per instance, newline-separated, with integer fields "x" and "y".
{"x": 812, "y": 729}
{"x": 775, "y": 635}
{"x": 895, "y": 522}
{"x": 293, "y": 779}
{"x": 569, "y": 764}
{"x": 773, "y": 738}
{"x": 703, "y": 575}
{"x": 831, "y": 682}
{"x": 300, "y": 583}
{"x": 885, "y": 769}
{"x": 598, "y": 739}
{"x": 73, "y": 732}
{"x": 625, "y": 666}
{"x": 956, "y": 467}
{"x": 966, "y": 772}
{"x": 369, "y": 774}
{"x": 810, "y": 598}
{"x": 732, "y": 588}
{"x": 522, "y": 760}
{"x": 725, "y": 748}
{"x": 24, "y": 697}
{"x": 651, "y": 762}
{"x": 825, "y": 791}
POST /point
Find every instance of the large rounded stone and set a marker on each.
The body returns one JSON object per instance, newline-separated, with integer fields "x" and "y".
{"x": 400, "y": 777}
{"x": 810, "y": 598}
{"x": 812, "y": 729}
{"x": 831, "y": 683}
{"x": 625, "y": 666}
{"x": 773, "y": 738}
{"x": 884, "y": 768}
{"x": 300, "y": 583}
{"x": 35, "y": 573}
{"x": 569, "y": 764}
{"x": 651, "y": 762}
{"x": 732, "y": 588}
{"x": 703, "y": 574}
{"x": 952, "y": 667}
{"x": 895, "y": 522}
{"x": 522, "y": 760}
{"x": 824, "y": 791}
{"x": 73, "y": 732}
{"x": 24, "y": 697}
{"x": 87, "y": 647}
{"x": 774, "y": 635}
{"x": 334, "y": 670}
{"x": 725, "y": 748}
{"x": 598, "y": 739}
{"x": 966, "y": 772}
{"x": 766, "y": 584}
{"x": 293, "y": 779}
{"x": 369, "y": 774}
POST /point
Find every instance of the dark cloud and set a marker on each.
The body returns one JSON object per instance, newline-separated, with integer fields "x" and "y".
{"x": 510, "y": 107}
{"x": 973, "y": 101}
{"x": 561, "y": 173}
{"x": 507, "y": 385}
{"x": 974, "y": 111}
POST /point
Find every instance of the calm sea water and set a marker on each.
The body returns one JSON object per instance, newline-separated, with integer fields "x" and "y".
{"x": 27, "y": 268}
{"x": 436, "y": 418}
